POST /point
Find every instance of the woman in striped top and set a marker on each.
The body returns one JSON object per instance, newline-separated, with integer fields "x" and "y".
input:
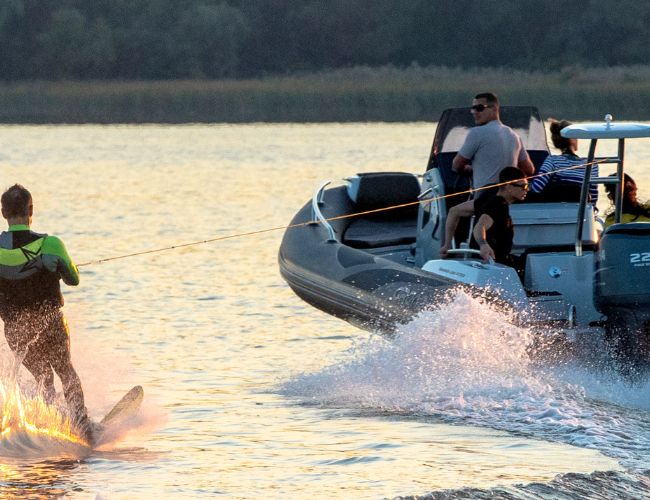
{"x": 560, "y": 182}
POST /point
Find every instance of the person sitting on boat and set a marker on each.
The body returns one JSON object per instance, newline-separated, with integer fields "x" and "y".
{"x": 633, "y": 209}
{"x": 558, "y": 178}
{"x": 488, "y": 147}
{"x": 493, "y": 231}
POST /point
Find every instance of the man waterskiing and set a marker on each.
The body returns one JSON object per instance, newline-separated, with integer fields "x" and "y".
{"x": 31, "y": 266}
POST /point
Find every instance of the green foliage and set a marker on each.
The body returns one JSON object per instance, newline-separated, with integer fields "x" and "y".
{"x": 353, "y": 94}
{"x": 10, "y": 9}
{"x": 170, "y": 39}
{"x": 207, "y": 41}
{"x": 72, "y": 47}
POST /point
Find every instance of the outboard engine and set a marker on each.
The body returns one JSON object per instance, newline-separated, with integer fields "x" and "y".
{"x": 622, "y": 288}
{"x": 623, "y": 267}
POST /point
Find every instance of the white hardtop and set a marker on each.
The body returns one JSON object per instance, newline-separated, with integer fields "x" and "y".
{"x": 607, "y": 129}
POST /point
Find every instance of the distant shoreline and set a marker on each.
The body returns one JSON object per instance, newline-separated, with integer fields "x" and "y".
{"x": 349, "y": 95}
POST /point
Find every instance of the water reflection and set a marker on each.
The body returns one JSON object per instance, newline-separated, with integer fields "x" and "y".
{"x": 38, "y": 480}
{"x": 212, "y": 331}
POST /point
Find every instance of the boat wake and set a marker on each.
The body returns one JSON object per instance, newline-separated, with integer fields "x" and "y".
{"x": 467, "y": 363}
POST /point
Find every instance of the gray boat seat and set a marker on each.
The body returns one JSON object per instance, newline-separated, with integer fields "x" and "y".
{"x": 366, "y": 233}
{"x": 540, "y": 226}
{"x": 371, "y": 191}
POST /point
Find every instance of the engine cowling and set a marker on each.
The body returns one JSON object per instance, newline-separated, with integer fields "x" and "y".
{"x": 622, "y": 277}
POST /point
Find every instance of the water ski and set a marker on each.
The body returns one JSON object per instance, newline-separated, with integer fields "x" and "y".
{"x": 123, "y": 409}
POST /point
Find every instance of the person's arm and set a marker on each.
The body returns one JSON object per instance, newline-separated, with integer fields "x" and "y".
{"x": 465, "y": 209}
{"x": 481, "y": 228}
{"x": 538, "y": 184}
{"x": 461, "y": 165}
{"x": 524, "y": 164}
{"x": 56, "y": 259}
{"x": 523, "y": 161}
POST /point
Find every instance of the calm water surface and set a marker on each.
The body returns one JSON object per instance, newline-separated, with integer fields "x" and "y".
{"x": 252, "y": 393}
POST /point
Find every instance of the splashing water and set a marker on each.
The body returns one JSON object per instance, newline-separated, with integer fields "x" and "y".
{"x": 30, "y": 427}
{"x": 467, "y": 362}
{"x": 449, "y": 355}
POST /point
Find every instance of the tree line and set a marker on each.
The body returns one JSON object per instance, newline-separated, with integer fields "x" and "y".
{"x": 214, "y": 39}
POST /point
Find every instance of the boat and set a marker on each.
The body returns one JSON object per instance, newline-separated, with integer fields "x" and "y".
{"x": 367, "y": 251}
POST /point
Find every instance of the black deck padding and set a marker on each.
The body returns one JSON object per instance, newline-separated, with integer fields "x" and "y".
{"x": 390, "y": 227}
{"x": 385, "y": 189}
{"x": 367, "y": 233}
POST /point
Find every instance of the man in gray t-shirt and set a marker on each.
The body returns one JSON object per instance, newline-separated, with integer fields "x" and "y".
{"x": 490, "y": 146}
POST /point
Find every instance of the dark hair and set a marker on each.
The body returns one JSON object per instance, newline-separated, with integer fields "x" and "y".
{"x": 562, "y": 143}
{"x": 510, "y": 174}
{"x": 489, "y": 97}
{"x": 626, "y": 180}
{"x": 15, "y": 201}
{"x": 630, "y": 203}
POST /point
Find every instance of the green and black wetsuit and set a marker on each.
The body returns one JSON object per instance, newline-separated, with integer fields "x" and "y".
{"x": 31, "y": 266}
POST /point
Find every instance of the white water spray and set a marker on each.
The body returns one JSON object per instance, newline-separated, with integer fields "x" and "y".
{"x": 468, "y": 363}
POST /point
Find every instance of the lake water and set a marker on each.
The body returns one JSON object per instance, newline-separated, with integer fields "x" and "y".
{"x": 251, "y": 393}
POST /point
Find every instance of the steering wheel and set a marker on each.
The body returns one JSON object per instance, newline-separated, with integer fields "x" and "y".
{"x": 468, "y": 252}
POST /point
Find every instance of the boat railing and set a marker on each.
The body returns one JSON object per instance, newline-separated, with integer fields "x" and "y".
{"x": 317, "y": 215}
{"x": 592, "y": 159}
{"x": 593, "y": 132}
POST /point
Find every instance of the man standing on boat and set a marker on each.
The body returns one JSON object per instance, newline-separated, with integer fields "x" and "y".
{"x": 493, "y": 231}
{"x": 31, "y": 266}
{"x": 488, "y": 148}
{"x": 490, "y": 145}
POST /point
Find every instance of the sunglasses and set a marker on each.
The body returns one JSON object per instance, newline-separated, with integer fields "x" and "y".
{"x": 525, "y": 187}
{"x": 480, "y": 107}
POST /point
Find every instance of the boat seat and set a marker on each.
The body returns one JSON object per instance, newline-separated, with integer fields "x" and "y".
{"x": 375, "y": 233}
{"x": 556, "y": 192}
{"x": 371, "y": 191}
{"x": 550, "y": 226}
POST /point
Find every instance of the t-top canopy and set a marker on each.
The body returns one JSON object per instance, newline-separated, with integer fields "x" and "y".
{"x": 455, "y": 123}
{"x": 606, "y": 130}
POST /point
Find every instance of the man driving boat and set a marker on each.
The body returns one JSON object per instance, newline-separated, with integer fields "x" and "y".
{"x": 493, "y": 230}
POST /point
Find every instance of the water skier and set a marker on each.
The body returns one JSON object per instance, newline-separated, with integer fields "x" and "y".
{"x": 31, "y": 266}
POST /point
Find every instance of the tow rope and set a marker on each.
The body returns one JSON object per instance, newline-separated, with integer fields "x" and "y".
{"x": 338, "y": 217}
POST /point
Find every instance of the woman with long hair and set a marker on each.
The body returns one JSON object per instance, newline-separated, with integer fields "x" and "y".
{"x": 633, "y": 209}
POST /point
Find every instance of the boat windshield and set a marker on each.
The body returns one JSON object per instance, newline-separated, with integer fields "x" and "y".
{"x": 455, "y": 123}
